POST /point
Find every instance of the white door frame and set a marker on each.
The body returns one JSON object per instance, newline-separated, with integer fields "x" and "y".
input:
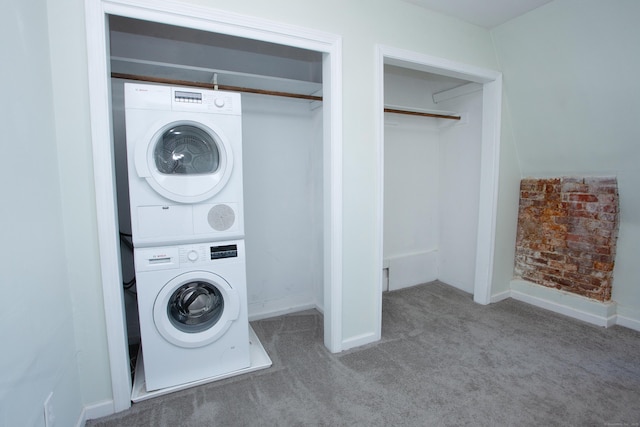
{"x": 489, "y": 162}
{"x": 217, "y": 21}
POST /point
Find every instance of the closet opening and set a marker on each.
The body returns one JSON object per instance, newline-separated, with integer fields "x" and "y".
{"x": 281, "y": 162}
{"x": 438, "y": 172}
{"x": 431, "y": 178}
{"x": 282, "y": 136}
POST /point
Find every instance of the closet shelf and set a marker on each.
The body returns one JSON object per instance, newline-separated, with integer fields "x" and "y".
{"x": 424, "y": 113}
{"x": 183, "y": 75}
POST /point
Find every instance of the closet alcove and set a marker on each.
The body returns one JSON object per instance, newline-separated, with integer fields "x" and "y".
{"x": 282, "y": 150}
{"x": 431, "y": 179}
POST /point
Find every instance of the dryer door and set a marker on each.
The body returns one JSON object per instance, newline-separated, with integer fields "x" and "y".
{"x": 195, "y": 309}
{"x": 185, "y": 161}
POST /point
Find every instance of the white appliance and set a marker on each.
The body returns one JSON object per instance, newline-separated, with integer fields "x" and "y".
{"x": 192, "y": 303}
{"x": 184, "y": 155}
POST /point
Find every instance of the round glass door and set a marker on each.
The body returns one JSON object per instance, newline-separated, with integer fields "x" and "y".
{"x": 195, "y": 307}
{"x": 185, "y": 161}
{"x": 186, "y": 150}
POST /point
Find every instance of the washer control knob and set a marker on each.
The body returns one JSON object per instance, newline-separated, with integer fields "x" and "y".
{"x": 219, "y": 102}
{"x": 192, "y": 255}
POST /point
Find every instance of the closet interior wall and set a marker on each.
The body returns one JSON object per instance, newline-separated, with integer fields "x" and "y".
{"x": 431, "y": 182}
{"x": 282, "y": 172}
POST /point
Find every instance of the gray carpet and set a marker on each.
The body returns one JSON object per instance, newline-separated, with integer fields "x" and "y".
{"x": 443, "y": 361}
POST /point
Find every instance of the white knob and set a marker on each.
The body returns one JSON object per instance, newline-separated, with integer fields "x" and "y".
{"x": 219, "y": 102}
{"x": 192, "y": 255}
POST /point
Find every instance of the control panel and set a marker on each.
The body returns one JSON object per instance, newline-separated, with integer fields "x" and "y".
{"x": 200, "y": 253}
{"x": 213, "y": 101}
{"x": 183, "y": 256}
{"x": 189, "y": 97}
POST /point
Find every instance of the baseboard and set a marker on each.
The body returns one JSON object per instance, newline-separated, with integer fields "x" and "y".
{"x": 95, "y": 410}
{"x": 359, "y": 340}
{"x": 576, "y": 306}
{"x": 279, "y": 307}
{"x": 628, "y": 318}
{"x": 627, "y": 322}
{"x": 412, "y": 269}
{"x": 500, "y": 296}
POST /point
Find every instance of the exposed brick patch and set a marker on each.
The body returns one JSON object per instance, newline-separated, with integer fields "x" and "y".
{"x": 567, "y": 231}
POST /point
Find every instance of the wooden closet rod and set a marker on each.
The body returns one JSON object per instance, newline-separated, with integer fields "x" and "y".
{"x": 210, "y": 86}
{"x": 417, "y": 113}
{"x": 176, "y": 82}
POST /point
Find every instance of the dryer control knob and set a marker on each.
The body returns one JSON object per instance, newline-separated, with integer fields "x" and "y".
{"x": 192, "y": 255}
{"x": 219, "y": 102}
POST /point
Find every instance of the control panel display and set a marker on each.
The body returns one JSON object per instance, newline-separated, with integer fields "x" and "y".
{"x": 224, "y": 251}
{"x": 190, "y": 97}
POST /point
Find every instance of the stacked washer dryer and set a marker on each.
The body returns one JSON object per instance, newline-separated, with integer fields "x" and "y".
{"x": 184, "y": 154}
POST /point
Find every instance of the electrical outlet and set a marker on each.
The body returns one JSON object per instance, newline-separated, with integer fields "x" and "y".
{"x": 49, "y": 416}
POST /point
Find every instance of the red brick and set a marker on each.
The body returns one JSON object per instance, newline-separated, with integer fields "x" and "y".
{"x": 606, "y": 198}
{"x": 603, "y": 266}
{"x": 608, "y": 217}
{"x": 603, "y": 250}
{"x": 553, "y": 256}
{"x": 583, "y": 198}
{"x": 609, "y": 208}
{"x": 604, "y": 189}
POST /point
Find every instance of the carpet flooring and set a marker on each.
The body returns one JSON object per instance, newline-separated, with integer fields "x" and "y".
{"x": 442, "y": 361}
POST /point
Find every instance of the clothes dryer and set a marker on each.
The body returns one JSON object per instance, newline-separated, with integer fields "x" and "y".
{"x": 192, "y": 302}
{"x": 184, "y": 155}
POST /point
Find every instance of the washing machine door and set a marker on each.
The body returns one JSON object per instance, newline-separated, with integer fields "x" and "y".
{"x": 195, "y": 309}
{"x": 185, "y": 161}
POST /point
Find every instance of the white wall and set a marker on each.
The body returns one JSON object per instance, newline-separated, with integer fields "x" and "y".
{"x": 411, "y": 201}
{"x": 39, "y": 353}
{"x": 393, "y": 23}
{"x": 571, "y": 82}
{"x": 283, "y": 219}
{"x": 411, "y": 156}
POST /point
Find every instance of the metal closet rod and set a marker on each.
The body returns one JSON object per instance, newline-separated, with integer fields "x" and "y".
{"x": 418, "y": 113}
{"x": 210, "y": 86}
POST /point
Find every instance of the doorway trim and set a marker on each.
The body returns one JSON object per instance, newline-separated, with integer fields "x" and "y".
{"x": 489, "y": 161}
{"x": 212, "y": 20}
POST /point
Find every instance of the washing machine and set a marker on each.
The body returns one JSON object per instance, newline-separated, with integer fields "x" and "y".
{"x": 192, "y": 303}
{"x": 184, "y": 162}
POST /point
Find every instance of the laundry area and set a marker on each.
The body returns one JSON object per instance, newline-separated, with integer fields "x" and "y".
{"x": 254, "y": 243}
{"x": 432, "y": 149}
{"x": 257, "y": 238}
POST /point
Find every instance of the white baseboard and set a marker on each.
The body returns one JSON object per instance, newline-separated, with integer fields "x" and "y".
{"x": 359, "y": 340}
{"x": 412, "y": 269}
{"x": 628, "y": 318}
{"x": 576, "y": 306}
{"x": 627, "y": 322}
{"x": 500, "y": 296}
{"x": 96, "y": 410}
{"x": 279, "y": 307}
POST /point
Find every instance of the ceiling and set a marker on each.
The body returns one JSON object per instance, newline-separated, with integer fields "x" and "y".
{"x": 485, "y": 13}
